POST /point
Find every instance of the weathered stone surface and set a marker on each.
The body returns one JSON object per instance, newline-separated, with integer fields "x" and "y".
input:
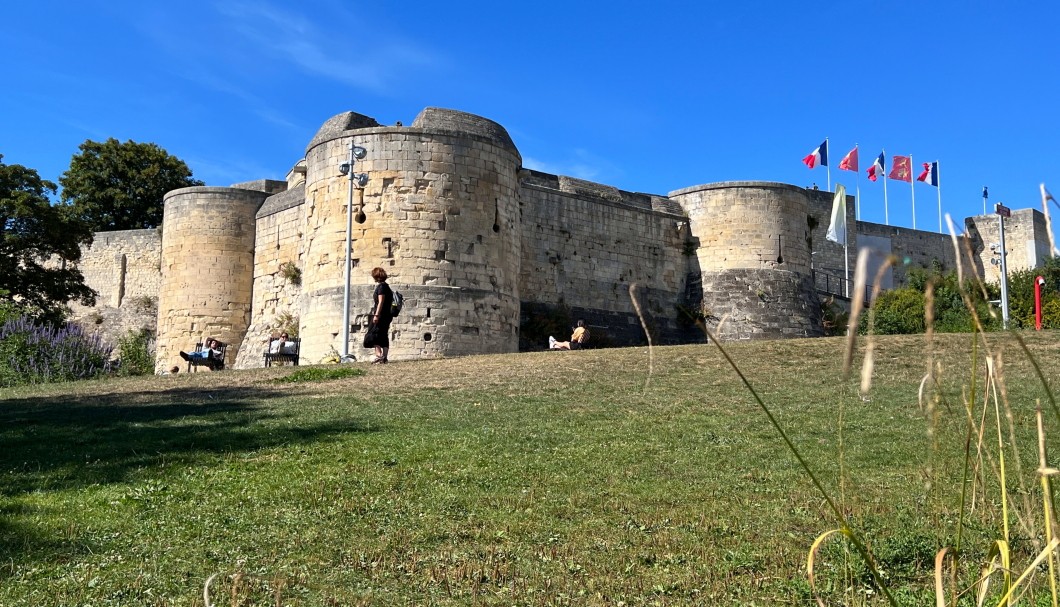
{"x": 477, "y": 244}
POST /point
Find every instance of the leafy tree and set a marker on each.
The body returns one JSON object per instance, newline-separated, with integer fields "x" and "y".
{"x": 119, "y": 186}
{"x": 39, "y": 245}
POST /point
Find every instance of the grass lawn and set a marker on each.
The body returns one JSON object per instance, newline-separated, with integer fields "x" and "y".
{"x": 551, "y": 478}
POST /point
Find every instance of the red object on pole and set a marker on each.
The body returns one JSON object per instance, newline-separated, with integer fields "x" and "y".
{"x": 1038, "y": 282}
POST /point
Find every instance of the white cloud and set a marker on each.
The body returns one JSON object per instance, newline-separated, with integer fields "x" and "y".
{"x": 341, "y": 47}
{"x": 581, "y": 164}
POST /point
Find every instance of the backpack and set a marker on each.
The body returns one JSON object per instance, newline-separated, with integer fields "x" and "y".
{"x": 397, "y": 304}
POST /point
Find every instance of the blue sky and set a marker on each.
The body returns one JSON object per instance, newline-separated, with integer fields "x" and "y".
{"x": 648, "y": 97}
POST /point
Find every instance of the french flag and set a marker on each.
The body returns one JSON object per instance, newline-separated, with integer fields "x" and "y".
{"x": 930, "y": 175}
{"x": 876, "y": 169}
{"x": 818, "y": 157}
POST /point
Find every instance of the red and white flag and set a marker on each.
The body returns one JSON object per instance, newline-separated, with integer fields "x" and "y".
{"x": 850, "y": 161}
{"x": 901, "y": 169}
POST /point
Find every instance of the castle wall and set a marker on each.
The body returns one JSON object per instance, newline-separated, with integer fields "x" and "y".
{"x": 754, "y": 257}
{"x": 1026, "y": 242}
{"x": 479, "y": 246}
{"x": 277, "y": 273}
{"x": 440, "y": 215}
{"x": 123, "y": 267}
{"x": 207, "y": 269}
{"x": 910, "y": 248}
{"x": 828, "y": 256}
{"x": 585, "y": 244}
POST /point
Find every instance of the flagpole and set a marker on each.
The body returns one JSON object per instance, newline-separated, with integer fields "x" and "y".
{"x": 857, "y": 186}
{"x": 846, "y": 263}
{"x": 883, "y": 169}
{"x": 938, "y": 184}
{"x": 827, "y": 165}
{"x": 913, "y": 194}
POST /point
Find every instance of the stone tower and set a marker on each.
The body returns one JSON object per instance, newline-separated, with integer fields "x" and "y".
{"x": 754, "y": 256}
{"x": 207, "y": 269}
{"x": 440, "y": 214}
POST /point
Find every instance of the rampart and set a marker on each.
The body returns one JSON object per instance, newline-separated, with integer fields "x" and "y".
{"x": 483, "y": 249}
{"x": 124, "y": 268}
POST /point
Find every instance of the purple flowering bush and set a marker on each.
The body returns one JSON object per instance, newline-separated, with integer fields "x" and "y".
{"x": 33, "y": 353}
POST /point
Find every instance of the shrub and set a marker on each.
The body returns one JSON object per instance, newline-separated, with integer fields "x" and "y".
{"x": 136, "y": 353}
{"x": 898, "y": 312}
{"x": 1021, "y": 295}
{"x": 286, "y": 322}
{"x": 32, "y": 353}
{"x": 291, "y": 273}
{"x": 901, "y": 311}
{"x": 834, "y": 317}
{"x": 8, "y": 309}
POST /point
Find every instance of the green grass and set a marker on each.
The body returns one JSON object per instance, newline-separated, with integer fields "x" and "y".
{"x": 310, "y": 374}
{"x": 530, "y": 479}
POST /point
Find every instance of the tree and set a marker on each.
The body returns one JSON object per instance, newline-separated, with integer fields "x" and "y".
{"x": 39, "y": 246}
{"x": 119, "y": 186}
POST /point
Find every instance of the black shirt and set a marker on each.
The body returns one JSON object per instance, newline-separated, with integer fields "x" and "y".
{"x": 388, "y": 300}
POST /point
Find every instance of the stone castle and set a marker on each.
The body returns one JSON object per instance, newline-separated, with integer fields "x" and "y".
{"x": 482, "y": 248}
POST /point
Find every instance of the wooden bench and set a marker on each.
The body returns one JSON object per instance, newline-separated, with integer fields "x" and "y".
{"x": 212, "y": 363}
{"x": 286, "y": 354}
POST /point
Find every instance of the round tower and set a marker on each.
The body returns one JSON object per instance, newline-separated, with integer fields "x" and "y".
{"x": 207, "y": 270}
{"x": 754, "y": 255}
{"x": 439, "y": 213}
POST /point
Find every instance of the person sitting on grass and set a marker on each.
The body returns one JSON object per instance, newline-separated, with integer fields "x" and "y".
{"x": 577, "y": 339}
{"x": 212, "y": 352}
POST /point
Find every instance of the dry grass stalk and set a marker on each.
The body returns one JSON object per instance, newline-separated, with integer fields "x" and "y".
{"x": 1046, "y": 472}
{"x": 811, "y": 559}
{"x": 1046, "y": 197}
{"x": 869, "y": 362}
{"x": 857, "y": 305}
{"x": 647, "y": 333}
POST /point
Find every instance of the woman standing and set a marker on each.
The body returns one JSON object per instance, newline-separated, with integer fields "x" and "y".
{"x": 382, "y": 299}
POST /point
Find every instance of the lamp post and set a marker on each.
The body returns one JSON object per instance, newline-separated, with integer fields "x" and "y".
{"x": 361, "y": 179}
{"x": 1003, "y": 212}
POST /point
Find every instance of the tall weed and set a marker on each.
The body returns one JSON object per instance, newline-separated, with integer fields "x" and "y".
{"x": 997, "y": 499}
{"x": 136, "y": 353}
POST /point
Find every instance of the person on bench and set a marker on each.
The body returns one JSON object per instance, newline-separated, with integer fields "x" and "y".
{"x": 210, "y": 355}
{"x": 277, "y": 345}
{"x": 282, "y": 349}
{"x": 577, "y": 339}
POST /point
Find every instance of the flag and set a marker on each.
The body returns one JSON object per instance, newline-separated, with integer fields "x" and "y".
{"x": 837, "y": 229}
{"x": 818, "y": 157}
{"x": 850, "y": 161}
{"x": 876, "y": 169}
{"x": 930, "y": 175}
{"x": 901, "y": 169}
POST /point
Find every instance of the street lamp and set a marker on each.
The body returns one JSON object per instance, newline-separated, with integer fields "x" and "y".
{"x": 361, "y": 179}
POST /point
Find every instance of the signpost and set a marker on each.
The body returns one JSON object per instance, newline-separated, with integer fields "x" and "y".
{"x": 1003, "y": 212}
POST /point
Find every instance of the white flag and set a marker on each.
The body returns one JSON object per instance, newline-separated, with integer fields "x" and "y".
{"x": 837, "y": 229}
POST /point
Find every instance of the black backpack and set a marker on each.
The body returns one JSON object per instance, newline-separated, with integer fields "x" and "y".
{"x": 397, "y": 304}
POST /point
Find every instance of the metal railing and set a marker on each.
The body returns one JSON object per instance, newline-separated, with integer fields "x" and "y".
{"x": 831, "y": 284}
{"x": 838, "y": 286}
